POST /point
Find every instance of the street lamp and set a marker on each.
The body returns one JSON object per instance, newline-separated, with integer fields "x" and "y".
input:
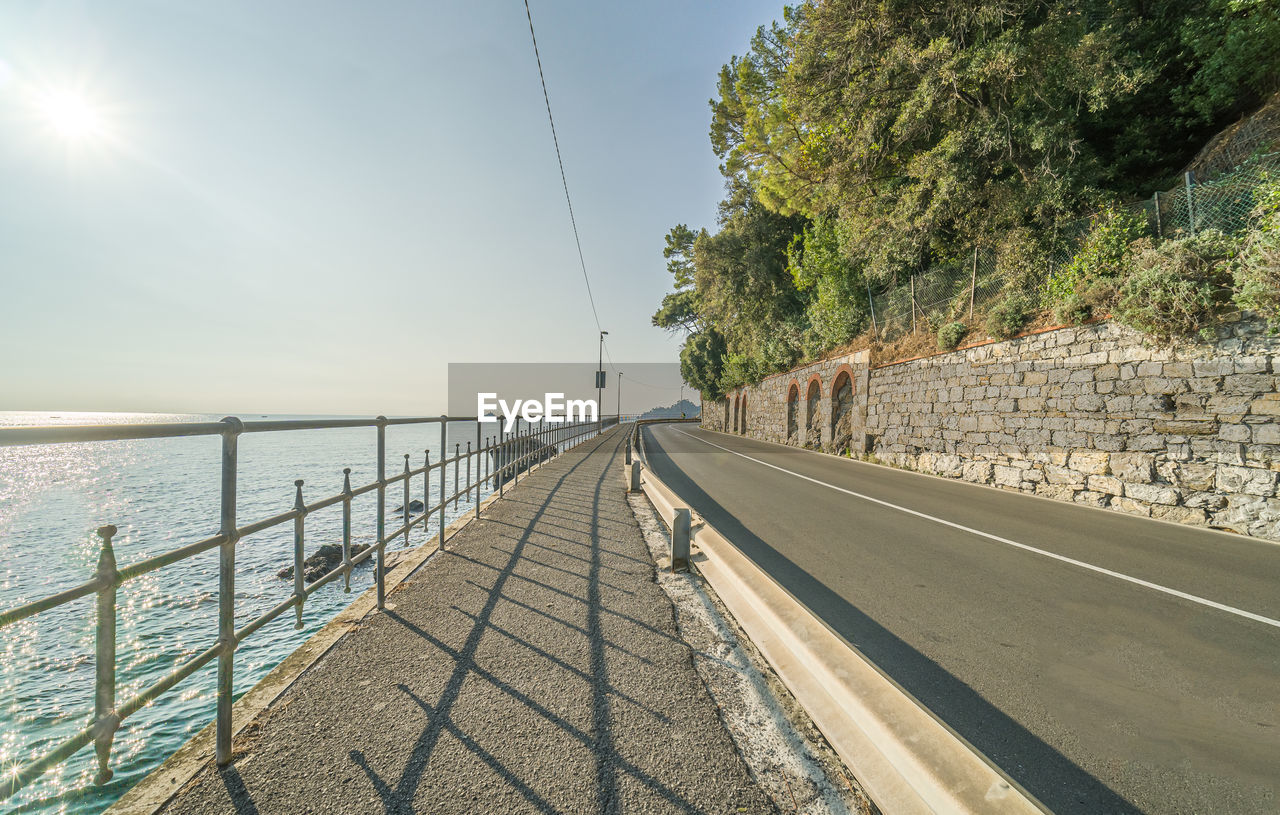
{"x": 600, "y": 386}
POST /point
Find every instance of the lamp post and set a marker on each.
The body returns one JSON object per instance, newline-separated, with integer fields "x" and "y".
{"x": 600, "y": 386}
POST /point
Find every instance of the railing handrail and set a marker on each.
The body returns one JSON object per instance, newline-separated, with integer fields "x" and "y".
{"x": 66, "y": 434}
{"x": 499, "y": 458}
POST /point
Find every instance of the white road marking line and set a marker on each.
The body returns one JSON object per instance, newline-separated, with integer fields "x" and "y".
{"x": 1137, "y": 581}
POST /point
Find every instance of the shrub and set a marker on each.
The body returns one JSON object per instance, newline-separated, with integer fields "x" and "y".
{"x": 1009, "y": 316}
{"x": 1072, "y": 310}
{"x": 1105, "y": 258}
{"x": 1257, "y": 269}
{"x": 1180, "y": 287}
{"x": 950, "y": 335}
{"x": 1021, "y": 261}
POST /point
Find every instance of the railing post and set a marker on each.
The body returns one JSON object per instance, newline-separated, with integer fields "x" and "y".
{"x": 406, "y": 513}
{"x": 478, "y": 453}
{"x": 426, "y": 493}
{"x": 227, "y": 587}
{"x": 105, "y": 720}
{"x": 457, "y": 454}
{"x": 467, "y": 483}
{"x": 1189, "y": 179}
{"x": 680, "y": 540}
{"x": 444, "y": 456}
{"x": 299, "y": 522}
{"x": 500, "y": 469}
{"x": 627, "y": 460}
{"x": 636, "y": 469}
{"x": 973, "y": 284}
{"x": 380, "y": 567}
{"x": 346, "y": 530}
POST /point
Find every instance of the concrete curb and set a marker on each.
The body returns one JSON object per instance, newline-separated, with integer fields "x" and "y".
{"x": 157, "y": 788}
{"x": 907, "y": 760}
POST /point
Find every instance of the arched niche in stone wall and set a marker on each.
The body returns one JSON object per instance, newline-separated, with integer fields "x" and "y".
{"x": 813, "y": 412}
{"x": 842, "y": 409}
{"x": 793, "y": 409}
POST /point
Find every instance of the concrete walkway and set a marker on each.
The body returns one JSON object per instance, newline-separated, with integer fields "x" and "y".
{"x": 534, "y": 666}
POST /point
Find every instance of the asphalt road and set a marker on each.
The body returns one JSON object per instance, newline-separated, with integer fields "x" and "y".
{"x": 1017, "y": 620}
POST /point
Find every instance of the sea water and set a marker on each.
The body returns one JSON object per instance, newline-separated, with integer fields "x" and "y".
{"x": 162, "y": 494}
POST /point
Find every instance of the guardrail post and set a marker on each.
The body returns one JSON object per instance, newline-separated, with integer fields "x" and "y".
{"x": 636, "y": 468}
{"x": 298, "y": 552}
{"x": 444, "y": 456}
{"x": 680, "y": 540}
{"x": 426, "y": 493}
{"x": 105, "y": 720}
{"x": 380, "y": 567}
{"x": 227, "y": 587}
{"x": 405, "y": 513}
{"x": 627, "y": 460}
{"x": 346, "y": 530}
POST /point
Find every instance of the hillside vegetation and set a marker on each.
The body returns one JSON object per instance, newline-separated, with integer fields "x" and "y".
{"x": 862, "y": 142}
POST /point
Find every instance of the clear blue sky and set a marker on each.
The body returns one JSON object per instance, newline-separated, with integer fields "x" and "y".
{"x": 313, "y": 207}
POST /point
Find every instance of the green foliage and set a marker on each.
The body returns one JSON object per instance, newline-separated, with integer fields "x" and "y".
{"x": 702, "y": 362}
{"x": 1009, "y": 316}
{"x": 864, "y": 140}
{"x": 950, "y": 335}
{"x": 1257, "y": 268}
{"x": 1236, "y": 46}
{"x": 679, "y": 254}
{"x": 679, "y": 311}
{"x": 1105, "y": 258}
{"x": 837, "y": 308}
{"x": 1178, "y": 288}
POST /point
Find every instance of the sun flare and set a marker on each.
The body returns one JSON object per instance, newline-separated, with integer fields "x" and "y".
{"x": 72, "y": 116}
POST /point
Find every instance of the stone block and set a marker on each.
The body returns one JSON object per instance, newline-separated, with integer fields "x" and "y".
{"x": 1133, "y": 467}
{"x": 979, "y": 472}
{"x": 1246, "y": 480}
{"x": 1152, "y": 493}
{"x": 1190, "y": 516}
{"x": 1106, "y": 484}
{"x": 1130, "y": 506}
{"x": 1091, "y": 462}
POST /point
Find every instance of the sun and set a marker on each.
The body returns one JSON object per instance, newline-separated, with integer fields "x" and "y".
{"x": 71, "y": 116}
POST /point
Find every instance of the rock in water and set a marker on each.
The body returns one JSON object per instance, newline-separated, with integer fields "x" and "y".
{"x": 325, "y": 559}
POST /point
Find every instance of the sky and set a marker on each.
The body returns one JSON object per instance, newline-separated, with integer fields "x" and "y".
{"x": 314, "y": 207}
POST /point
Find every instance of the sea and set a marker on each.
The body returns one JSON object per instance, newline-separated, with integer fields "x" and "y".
{"x": 162, "y": 494}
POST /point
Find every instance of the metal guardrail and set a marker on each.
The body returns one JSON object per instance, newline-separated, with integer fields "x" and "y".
{"x": 498, "y": 459}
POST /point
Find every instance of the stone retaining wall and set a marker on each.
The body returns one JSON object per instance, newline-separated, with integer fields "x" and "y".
{"x": 1094, "y": 415}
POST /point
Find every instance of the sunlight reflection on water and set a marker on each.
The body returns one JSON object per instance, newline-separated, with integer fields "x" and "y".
{"x": 161, "y": 494}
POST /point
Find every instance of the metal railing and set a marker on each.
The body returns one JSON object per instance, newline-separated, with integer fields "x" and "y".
{"x": 497, "y": 459}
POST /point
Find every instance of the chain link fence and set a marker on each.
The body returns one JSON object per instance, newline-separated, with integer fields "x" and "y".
{"x": 971, "y": 286}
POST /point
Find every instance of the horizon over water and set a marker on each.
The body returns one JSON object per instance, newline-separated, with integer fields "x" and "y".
{"x": 162, "y": 494}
